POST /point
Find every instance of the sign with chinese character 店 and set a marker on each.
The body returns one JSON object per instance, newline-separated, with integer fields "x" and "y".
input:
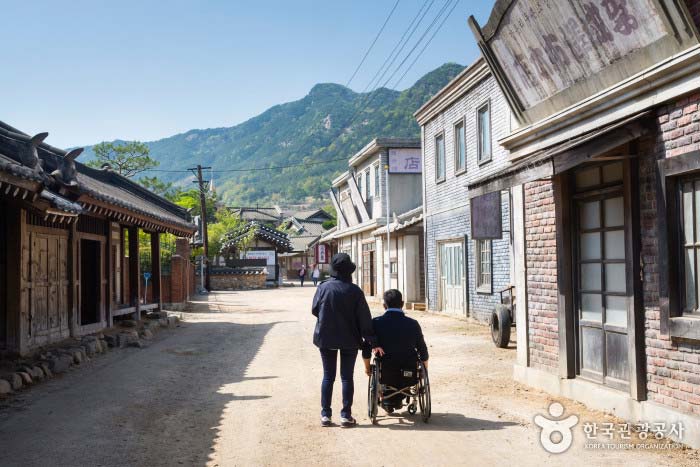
{"x": 405, "y": 161}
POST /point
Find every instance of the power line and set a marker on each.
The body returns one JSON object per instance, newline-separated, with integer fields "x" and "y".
{"x": 254, "y": 169}
{"x": 373, "y": 43}
{"x": 427, "y": 44}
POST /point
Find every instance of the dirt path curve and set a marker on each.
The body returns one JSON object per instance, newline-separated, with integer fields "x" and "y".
{"x": 239, "y": 382}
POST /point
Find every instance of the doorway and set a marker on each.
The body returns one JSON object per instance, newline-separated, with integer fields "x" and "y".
{"x": 452, "y": 277}
{"x": 601, "y": 287}
{"x": 368, "y": 268}
{"x": 90, "y": 281}
{"x": 3, "y": 284}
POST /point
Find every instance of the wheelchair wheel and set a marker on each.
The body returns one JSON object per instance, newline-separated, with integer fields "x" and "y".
{"x": 424, "y": 393}
{"x": 373, "y": 395}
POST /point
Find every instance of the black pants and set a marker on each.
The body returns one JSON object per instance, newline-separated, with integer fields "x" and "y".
{"x": 329, "y": 357}
{"x": 301, "y": 279}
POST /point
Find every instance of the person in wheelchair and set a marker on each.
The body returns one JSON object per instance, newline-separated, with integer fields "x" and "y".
{"x": 401, "y": 339}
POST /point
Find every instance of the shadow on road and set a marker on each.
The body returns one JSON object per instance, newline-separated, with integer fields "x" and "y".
{"x": 437, "y": 422}
{"x": 162, "y": 405}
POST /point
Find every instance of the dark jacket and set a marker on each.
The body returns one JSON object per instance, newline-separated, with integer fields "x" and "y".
{"x": 400, "y": 337}
{"x": 343, "y": 316}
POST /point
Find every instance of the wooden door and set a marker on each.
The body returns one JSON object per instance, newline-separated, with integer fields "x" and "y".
{"x": 48, "y": 288}
{"x": 602, "y": 291}
{"x": 368, "y": 272}
{"x": 452, "y": 277}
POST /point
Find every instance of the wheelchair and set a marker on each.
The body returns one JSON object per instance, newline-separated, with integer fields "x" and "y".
{"x": 392, "y": 384}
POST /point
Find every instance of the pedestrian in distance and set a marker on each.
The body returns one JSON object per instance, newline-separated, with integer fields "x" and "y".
{"x": 316, "y": 274}
{"x": 343, "y": 324}
{"x": 302, "y": 274}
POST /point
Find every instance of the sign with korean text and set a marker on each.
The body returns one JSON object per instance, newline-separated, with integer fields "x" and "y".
{"x": 405, "y": 161}
{"x": 547, "y": 46}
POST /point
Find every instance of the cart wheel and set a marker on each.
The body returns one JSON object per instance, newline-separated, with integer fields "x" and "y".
{"x": 424, "y": 393}
{"x": 412, "y": 409}
{"x": 373, "y": 395}
{"x": 500, "y": 326}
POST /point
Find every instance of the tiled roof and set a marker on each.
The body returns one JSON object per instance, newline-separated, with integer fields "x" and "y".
{"x": 273, "y": 236}
{"x": 105, "y": 186}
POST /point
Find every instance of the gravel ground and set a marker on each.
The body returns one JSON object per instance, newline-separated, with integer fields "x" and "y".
{"x": 238, "y": 384}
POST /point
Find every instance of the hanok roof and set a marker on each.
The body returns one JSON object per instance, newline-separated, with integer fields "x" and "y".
{"x": 265, "y": 214}
{"x": 44, "y": 175}
{"x": 260, "y": 231}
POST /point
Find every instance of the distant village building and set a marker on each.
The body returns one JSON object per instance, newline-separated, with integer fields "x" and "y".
{"x": 256, "y": 242}
{"x": 305, "y": 229}
{"x": 604, "y": 175}
{"x": 360, "y": 198}
{"x": 69, "y": 245}
{"x": 467, "y": 267}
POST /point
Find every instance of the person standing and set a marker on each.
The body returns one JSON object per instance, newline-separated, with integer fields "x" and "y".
{"x": 343, "y": 321}
{"x": 302, "y": 274}
{"x": 316, "y": 274}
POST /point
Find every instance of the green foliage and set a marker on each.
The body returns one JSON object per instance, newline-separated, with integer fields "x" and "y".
{"x": 225, "y": 222}
{"x": 159, "y": 187}
{"x": 127, "y": 158}
{"x": 331, "y": 122}
{"x": 189, "y": 199}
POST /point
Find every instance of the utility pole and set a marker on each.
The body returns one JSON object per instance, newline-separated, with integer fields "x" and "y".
{"x": 205, "y": 234}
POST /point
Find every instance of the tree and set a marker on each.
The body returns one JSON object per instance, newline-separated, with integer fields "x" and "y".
{"x": 225, "y": 222}
{"x": 159, "y": 187}
{"x": 127, "y": 159}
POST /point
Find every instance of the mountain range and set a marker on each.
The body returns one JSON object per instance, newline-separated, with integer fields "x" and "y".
{"x": 331, "y": 122}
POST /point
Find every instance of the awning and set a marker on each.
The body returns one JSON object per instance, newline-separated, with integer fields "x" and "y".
{"x": 563, "y": 156}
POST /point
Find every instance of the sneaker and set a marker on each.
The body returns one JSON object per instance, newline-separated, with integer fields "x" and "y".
{"x": 347, "y": 422}
{"x": 326, "y": 421}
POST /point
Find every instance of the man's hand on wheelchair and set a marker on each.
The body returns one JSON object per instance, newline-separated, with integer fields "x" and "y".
{"x": 378, "y": 351}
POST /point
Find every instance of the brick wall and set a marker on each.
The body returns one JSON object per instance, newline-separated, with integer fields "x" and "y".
{"x": 673, "y": 366}
{"x": 541, "y": 251}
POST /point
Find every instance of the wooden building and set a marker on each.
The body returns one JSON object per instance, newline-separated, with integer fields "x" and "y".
{"x": 255, "y": 241}
{"x": 305, "y": 229}
{"x": 605, "y": 179}
{"x": 69, "y": 250}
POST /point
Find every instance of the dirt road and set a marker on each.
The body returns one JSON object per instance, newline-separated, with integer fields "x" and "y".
{"x": 239, "y": 382}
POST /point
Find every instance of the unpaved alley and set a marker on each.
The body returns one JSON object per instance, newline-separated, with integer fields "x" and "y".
{"x": 238, "y": 384}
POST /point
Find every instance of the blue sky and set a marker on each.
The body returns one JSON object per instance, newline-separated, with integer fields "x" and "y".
{"x": 88, "y": 71}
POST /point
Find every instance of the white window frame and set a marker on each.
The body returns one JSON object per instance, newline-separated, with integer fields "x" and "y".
{"x": 483, "y": 258}
{"x": 482, "y": 157}
{"x": 462, "y": 122}
{"x": 438, "y": 178}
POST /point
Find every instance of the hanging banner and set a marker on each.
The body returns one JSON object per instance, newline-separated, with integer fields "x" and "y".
{"x": 322, "y": 253}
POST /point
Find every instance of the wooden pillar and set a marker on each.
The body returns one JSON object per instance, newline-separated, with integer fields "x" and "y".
{"x": 16, "y": 240}
{"x": 74, "y": 279}
{"x": 110, "y": 271}
{"x": 134, "y": 271}
{"x": 155, "y": 270}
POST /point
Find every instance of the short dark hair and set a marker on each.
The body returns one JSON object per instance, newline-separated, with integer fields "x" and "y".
{"x": 393, "y": 298}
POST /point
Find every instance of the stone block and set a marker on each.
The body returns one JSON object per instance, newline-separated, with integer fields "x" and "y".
{"x": 5, "y": 387}
{"x": 111, "y": 340}
{"x": 15, "y": 381}
{"x": 60, "y": 363}
{"x": 26, "y": 378}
